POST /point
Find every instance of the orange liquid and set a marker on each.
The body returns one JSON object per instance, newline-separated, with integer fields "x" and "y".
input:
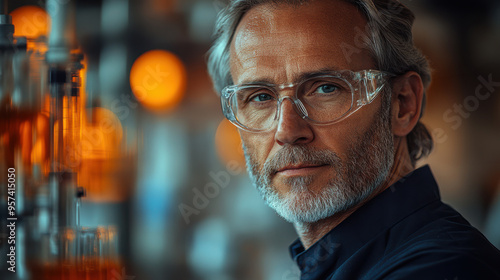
{"x": 90, "y": 269}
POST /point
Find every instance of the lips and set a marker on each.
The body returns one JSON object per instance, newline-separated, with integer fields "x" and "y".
{"x": 298, "y": 167}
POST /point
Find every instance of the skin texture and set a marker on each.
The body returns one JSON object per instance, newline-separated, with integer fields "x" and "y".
{"x": 277, "y": 43}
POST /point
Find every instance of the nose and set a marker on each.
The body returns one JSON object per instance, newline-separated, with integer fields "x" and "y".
{"x": 292, "y": 128}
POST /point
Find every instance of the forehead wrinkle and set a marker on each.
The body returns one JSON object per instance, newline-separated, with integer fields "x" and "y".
{"x": 249, "y": 41}
{"x": 262, "y": 45}
{"x": 267, "y": 20}
{"x": 297, "y": 77}
{"x": 251, "y": 60}
{"x": 253, "y": 70}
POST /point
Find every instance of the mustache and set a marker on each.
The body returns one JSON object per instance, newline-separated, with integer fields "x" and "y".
{"x": 295, "y": 154}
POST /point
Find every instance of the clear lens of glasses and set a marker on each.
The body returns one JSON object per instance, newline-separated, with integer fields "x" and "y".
{"x": 322, "y": 99}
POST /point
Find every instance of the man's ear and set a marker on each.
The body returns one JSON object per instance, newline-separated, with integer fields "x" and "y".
{"x": 407, "y": 96}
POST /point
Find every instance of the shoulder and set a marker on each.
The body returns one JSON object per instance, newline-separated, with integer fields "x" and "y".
{"x": 444, "y": 264}
{"x": 465, "y": 255}
{"x": 445, "y": 246}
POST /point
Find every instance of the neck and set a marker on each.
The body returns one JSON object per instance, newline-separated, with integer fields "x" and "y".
{"x": 310, "y": 233}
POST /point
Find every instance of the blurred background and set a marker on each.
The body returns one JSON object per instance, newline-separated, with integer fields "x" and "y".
{"x": 125, "y": 168}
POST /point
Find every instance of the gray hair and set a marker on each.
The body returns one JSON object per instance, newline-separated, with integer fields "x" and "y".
{"x": 389, "y": 40}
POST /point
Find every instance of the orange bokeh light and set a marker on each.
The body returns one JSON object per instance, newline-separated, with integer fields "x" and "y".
{"x": 40, "y": 153}
{"x": 106, "y": 170}
{"x": 102, "y": 137}
{"x": 158, "y": 80}
{"x": 30, "y": 21}
{"x": 228, "y": 143}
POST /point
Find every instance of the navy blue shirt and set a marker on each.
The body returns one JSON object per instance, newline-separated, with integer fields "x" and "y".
{"x": 405, "y": 232}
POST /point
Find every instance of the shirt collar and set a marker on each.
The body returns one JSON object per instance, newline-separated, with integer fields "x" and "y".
{"x": 409, "y": 194}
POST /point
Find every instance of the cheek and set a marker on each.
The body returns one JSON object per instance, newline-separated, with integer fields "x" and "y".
{"x": 344, "y": 136}
{"x": 258, "y": 145}
{"x": 338, "y": 137}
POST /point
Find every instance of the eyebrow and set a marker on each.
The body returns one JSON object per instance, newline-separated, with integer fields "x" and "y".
{"x": 297, "y": 78}
{"x": 312, "y": 74}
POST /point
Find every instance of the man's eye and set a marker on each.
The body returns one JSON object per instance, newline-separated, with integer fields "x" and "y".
{"x": 261, "y": 97}
{"x": 327, "y": 88}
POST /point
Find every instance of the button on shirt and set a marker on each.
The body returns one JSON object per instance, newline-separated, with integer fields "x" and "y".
{"x": 405, "y": 232}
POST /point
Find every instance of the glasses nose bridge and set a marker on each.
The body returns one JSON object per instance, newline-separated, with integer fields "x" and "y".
{"x": 285, "y": 88}
{"x": 296, "y": 104}
{"x": 290, "y": 87}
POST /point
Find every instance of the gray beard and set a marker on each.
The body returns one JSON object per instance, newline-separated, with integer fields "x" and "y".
{"x": 366, "y": 167}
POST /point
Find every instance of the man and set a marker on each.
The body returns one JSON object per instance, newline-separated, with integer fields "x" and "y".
{"x": 328, "y": 95}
